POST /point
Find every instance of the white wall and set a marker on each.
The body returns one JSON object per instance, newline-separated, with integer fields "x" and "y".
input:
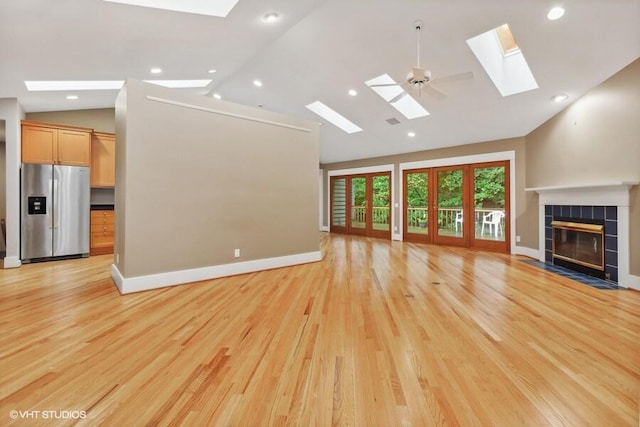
{"x": 2, "y": 179}
{"x": 11, "y": 112}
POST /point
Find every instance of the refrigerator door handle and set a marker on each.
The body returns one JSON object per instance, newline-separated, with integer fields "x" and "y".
{"x": 51, "y": 204}
{"x": 56, "y": 200}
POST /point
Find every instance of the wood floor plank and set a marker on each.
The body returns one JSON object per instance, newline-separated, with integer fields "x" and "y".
{"x": 378, "y": 333}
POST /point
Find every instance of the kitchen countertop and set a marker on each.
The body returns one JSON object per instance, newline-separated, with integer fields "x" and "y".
{"x": 101, "y": 207}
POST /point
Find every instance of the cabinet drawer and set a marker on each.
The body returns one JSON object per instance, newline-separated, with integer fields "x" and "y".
{"x": 102, "y": 214}
{"x": 102, "y": 221}
{"x": 102, "y": 217}
{"x": 102, "y": 228}
{"x": 101, "y": 239}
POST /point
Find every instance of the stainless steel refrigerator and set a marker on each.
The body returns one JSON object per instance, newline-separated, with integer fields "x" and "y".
{"x": 55, "y": 204}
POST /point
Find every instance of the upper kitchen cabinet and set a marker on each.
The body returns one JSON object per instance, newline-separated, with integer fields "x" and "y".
{"x": 55, "y": 144}
{"x": 103, "y": 160}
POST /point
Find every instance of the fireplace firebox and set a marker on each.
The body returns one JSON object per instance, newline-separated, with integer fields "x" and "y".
{"x": 579, "y": 245}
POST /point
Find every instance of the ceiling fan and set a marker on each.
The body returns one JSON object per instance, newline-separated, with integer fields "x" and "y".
{"x": 420, "y": 78}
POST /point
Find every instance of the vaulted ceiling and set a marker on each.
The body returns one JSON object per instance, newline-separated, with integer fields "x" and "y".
{"x": 318, "y": 50}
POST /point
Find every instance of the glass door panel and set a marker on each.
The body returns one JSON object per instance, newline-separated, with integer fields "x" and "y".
{"x": 380, "y": 205}
{"x": 338, "y": 204}
{"x": 358, "y": 219}
{"x": 416, "y": 193}
{"x": 449, "y": 203}
{"x": 490, "y": 206}
{"x": 449, "y": 214}
{"x": 489, "y": 200}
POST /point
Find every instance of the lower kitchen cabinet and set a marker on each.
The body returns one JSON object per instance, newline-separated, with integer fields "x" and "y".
{"x": 102, "y": 231}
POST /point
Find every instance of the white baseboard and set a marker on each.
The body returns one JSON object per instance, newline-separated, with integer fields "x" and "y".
{"x": 324, "y": 228}
{"x": 128, "y": 285}
{"x": 117, "y": 277}
{"x": 531, "y": 253}
{"x": 633, "y": 282}
{"x": 397, "y": 237}
{"x": 11, "y": 262}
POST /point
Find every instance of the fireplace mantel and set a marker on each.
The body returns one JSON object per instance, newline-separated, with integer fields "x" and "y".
{"x": 614, "y": 193}
{"x": 606, "y": 194}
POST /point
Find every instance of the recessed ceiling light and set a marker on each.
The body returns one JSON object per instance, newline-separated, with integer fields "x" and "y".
{"x": 220, "y": 8}
{"x": 217, "y": 96}
{"x": 72, "y": 97}
{"x": 257, "y": 83}
{"x": 70, "y": 85}
{"x": 352, "y": 92}
{"x": 333, "y": 117}
{"x": 211, "y": 71}
{"x": 174, "y": 84}
{"x": 270, "y": 17}
{"x": 411, "y": 134}
{"x": 555, "y": 13}
{"x": 156, "y": 70}
{"x": 560, "y": 98}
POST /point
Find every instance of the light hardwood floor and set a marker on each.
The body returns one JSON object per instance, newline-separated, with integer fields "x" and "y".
{"x": 377, "y": 334}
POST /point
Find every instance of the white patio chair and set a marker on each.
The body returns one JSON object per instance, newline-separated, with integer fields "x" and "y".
{"x": 494, "y": 222}
{"x": 458, "y": 222}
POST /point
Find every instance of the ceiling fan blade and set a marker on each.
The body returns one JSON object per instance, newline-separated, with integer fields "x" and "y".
{"x": 385, "y": 85}
{"x": 398, "y": 97}
{"x": 430, "y": 90}
{"x": 453, "y": 78}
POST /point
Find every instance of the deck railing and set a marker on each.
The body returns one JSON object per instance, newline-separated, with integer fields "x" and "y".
{"x": 381, "y": 214}
{"x": 448, "y": 218}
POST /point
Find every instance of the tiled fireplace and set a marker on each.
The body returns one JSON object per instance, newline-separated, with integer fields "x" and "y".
{"x": 585, "y": 238}
{"x": 591, "y": 228}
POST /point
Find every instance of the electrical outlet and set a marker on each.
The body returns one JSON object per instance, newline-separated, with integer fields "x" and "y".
{"x": 395, "y": 228}
{"x": 117, "y": 258}
{"x": 517, "y": 239}
{"x": 236, "y": 253}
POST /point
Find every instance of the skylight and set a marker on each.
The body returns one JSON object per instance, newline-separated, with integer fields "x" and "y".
{"x": 220, "y": 8}
{"x": 501, "y": 57}
{"x": 333, "y": 117}
{"x": 393, "y": 93}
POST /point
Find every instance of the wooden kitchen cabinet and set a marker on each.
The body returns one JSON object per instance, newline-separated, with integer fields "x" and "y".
{"x": 54, "y": 144}
{"x": 103, "y": 159}
{"x": 102, "y": 232}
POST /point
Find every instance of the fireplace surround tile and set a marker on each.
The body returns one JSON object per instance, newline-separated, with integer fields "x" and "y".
{"x": 598, "y": 212}
{"x": 585, "y": 212}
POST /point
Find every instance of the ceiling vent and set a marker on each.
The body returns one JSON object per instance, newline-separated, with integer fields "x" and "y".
{"x": 393, "y": 121}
